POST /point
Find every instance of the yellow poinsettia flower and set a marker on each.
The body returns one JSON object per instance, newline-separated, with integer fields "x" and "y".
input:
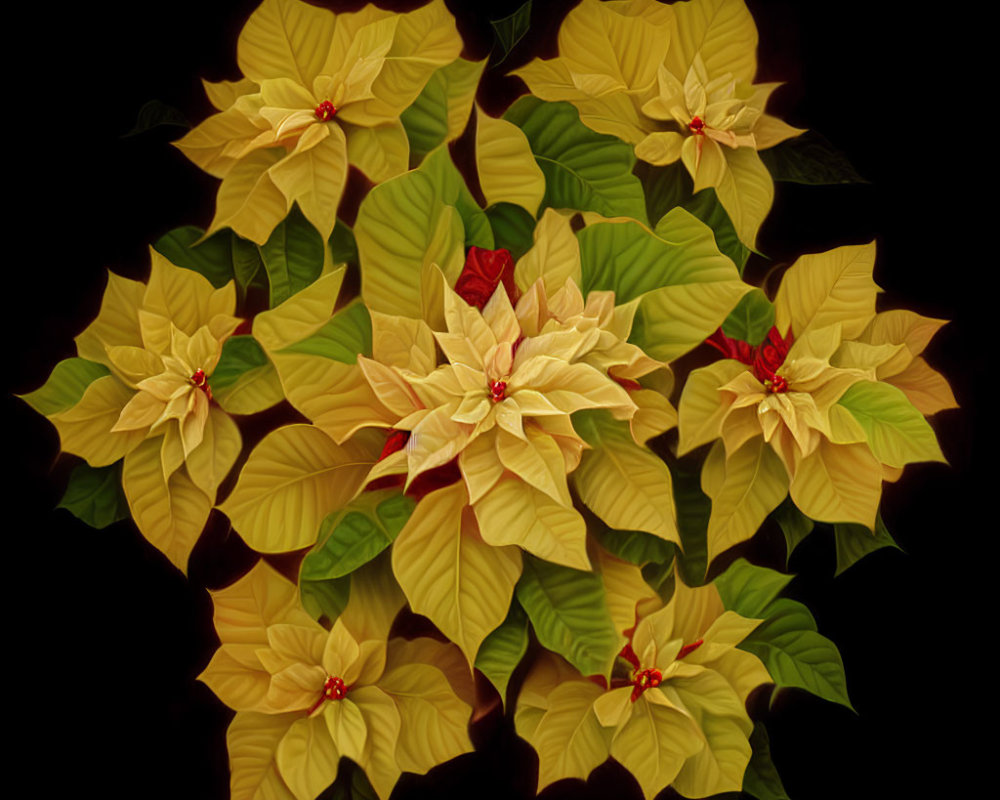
{"x": 674, "y": 712}
{"x": 484, "y": 439}
{"x": 306, "y": 696}
{"x": 161, "y": 342}
{"x": 675, "y": 82}
{"x": 320, "y": 91}
{"x": 806, "y": 411}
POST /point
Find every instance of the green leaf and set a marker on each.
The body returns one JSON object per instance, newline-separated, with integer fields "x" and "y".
{"x": 503, "y": 649}
{"x": 897, "y": 432}
{"x": 809, "y": 158}
{"x": 665, "y": 187}
{"x": 694, "y": 507}
{"x": 795, "y": 654}
{"x": 293, "y": 256}
{"x": 442, "y": 106}
{"x": 354, "y": 535}
{"x": 451, "y": 189}
{"x": 854, "y": 542}
{"x": 584, "y": 170}
{"x": 246, "y": 260}
{"x": 706, "y": 206}
{"x": 661, "y": 578}
{"x": 628, "y": 260}
{"x": 636, "y": 547}
{"x": 687, "y": 286}
{"x": 511, "y": 29}
{"x": 795, "y": 525}
{"x": 65, "y": 386}
{"x": 244, "y": 378}
{"x": 351, "y": 784}
{"x": 212, "y": 258}
{"x": 325, "y": 599}
{"x": 94, "y": 495}
{"x": 751, "y": 319}
{"x": 347, "y": 335}
{"x": 748, "y": 589}
{"x": 155, "y": 113}
{"x": 570, "y": 614}
{"x": 513, "y": 228}
{"x": 343, "y": 248}
{"x": 761, "y": 779}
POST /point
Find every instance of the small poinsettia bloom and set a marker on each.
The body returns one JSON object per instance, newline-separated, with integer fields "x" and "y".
{"x": 676, "y": 82}
{"x": 160, "y": 343}
{"x": 321, "y": 91}
{"x": 805, "y": 410}
{"x": 673, "y": 713}
{"x": 306, "y": 696}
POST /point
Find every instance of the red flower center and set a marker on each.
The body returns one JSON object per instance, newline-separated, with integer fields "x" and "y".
{"x": 765, "y": 358}
{"x": 199, "y": 380}
{"x": 333, "y": 689}
{"x": 776, "y": 384}
{"x": 498, "y": 390}
{"x": 645, "y": 679}
{"x": 325, "y": 111}
{"x": 697, "y": 125}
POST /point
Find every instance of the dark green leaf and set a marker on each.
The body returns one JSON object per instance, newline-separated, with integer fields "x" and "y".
{"x": 761, "y": 779}
{"x": 240, "y": 354}
{"x": 693, "y": 510}
{"x": 795, "y": 654}
{"x": 511, "y": 29}
{"x": 351, "y": 784}
{"x": 325, "y": 599}
{"x": 343, "y": 338}
{"x": 854, "y": 542}
{"x": 751, "y": 319}
{"x": 570, "y": 615}
{"x": 706, "y": 206}
{"x": 664, "y": 187}
{"x": 65, "y": 386}
{"x": 154, "y": 114}
{"x": 748, "y": 589}
{"x": 795, "y": 525}
{"x": 636, "y": 547}
{"x": 212, "y": 258}
{"x": 246, "y": 261}
{"x": 94, "y": 495}
{"x": 584, "y": 170}
{"x": 293, "y": 256}
{"x": 343, "y": 248}
{"x": 809, "y": 158}
{"x": 661, "y": 578}
{"x": 503, "y": 649}
{"x": 353, "y": 536}
{"x": 513, "y": 228}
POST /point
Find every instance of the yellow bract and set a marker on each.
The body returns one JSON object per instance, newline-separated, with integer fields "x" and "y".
{"x": 161, "y": 342}
{"x": 675, "y": 82}
{"x": 687, "y": 728}
{"x": 824, "y": 427}
{"x": 321, "y": 91}
{"x": 305, "y": 696}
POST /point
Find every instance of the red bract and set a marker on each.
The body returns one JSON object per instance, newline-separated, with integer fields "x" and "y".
{"x": 484, "y": 270}
{"x": 765, "y": 358}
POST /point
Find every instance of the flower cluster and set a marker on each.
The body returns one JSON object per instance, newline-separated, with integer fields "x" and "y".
{"x": 488, "y": 439}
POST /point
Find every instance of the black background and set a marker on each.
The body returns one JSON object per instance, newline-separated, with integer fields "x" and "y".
{"x": 104, "y": 638}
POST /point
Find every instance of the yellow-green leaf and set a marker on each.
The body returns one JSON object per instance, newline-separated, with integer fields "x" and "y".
{"x": 291, "y": 481}
{"x": 569, "y": 739}
{"x": 65, "y": 386}
{"x": 252, "y": 739}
